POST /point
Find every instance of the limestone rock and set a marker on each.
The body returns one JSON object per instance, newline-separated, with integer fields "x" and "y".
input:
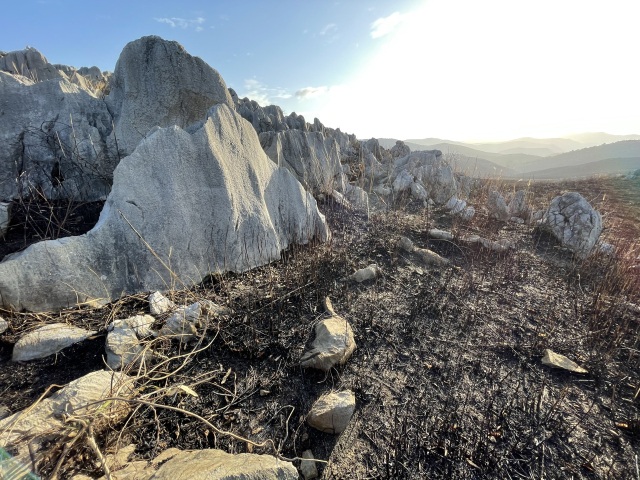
{"x": 358, "y": 197}
{"x": 183, "y": 324}
{"x": 367, "y": 273}
{"x": 159, "y": 304}
{"x": 156, "y": 82}
{"x": 428, "y": 168}
{"x": 29, "y": 63}
{"x": 440, "y": 234}
{"x": 419, "y": 192}
{"x": 48, "y": 340}
{"x": 501, "y": 245}
{"x": 4, "y": 325}
{"x": 468, "y": 213}
{"x": 456, "y": 206}
{"x": 308, "y": 467}
{"x": 218, "y": 465}
{"x": 574, "y": 222}
{"x": 556, "y": 360}
{"x": 310, "y": 156}
{"x": 400, "y": 149}
{"x": 333, "y": 344}
{"x": 518, "y": 206}
{"x": 123, "y": 345}
{"x": 44, "y": 419}
{"x": 425, "y": 255}
{"x": 56, "y": 138}
{"x": 5, "y": 217}
{"x": 184, "y": 205}
{"x": 497, "y": 206}
{"x": 332, "y": 411}
{"x": 403, "y": 182}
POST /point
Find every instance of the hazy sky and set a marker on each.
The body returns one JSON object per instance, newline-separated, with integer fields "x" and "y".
{"x": 455, "y": 69}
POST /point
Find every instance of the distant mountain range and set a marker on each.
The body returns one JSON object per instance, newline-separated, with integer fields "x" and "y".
{"x": 549, "y": 158}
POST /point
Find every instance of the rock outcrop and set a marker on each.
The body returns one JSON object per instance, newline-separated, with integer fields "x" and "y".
{"x": 310, "y": 156}
{"x": 56, "y": 138}
{"x": 574, "y": 222}
{"x": 157, "y": 83}
{"x": 183, "y": 204}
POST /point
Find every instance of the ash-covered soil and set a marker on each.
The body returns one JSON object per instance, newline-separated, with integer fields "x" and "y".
{"x": 447, "y": 372}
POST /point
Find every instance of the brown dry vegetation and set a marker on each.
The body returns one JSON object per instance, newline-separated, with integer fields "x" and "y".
{"x": 447, "y": 373}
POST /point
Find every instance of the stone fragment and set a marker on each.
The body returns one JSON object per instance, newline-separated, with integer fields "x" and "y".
{"x": 308, "y": 467}
{"x": 212, "y": 464}
{"x": 426, "y": 256}
{"x": 43, "y": 420}
{"x": 159, "y": 304}
{"x": 48, "y": 340}
{"x": 440, "y": 234}
{"x": 403, "y": 182}
{"x": 367, "y": 273}
{"x": 332, "y": 411}
{"x": 455, "y": 205}
{"x": 332, "y": 345}
{"x": 122, "y": 345}
{"x": 183, "y": 323}
{"x": 556, "y": 360}
{"x": 3, "y": 325}
{"x": 418, "y": 191}
{"x": 574, "y": 222}
{"x": 518, "y": 206}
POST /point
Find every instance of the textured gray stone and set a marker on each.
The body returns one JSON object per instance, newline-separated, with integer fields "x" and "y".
{"x": 54, "y": 137}
{"x": 497, "y": 206}
{"x": 159, "y": 304}
{"x": 5, "y": 217}
{"x": 157, "y": 83}
{"x": 48, "y": 340}
{"x": 310, "y": 156}
{"x": 574, "y": 222}
{"x": 185, "y": 204}
{"x": 4, "y": 325}
{"x": 218, "y": 465}
{"x": 332, "y": 412}
{"x": 29, "y": 63}
{"x": 332, "y": 345}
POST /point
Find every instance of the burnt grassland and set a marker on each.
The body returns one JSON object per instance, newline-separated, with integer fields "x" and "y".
{"x": 447, "y": 372}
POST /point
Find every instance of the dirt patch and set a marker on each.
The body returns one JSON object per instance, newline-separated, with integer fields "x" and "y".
{"x": 447, "y": 373}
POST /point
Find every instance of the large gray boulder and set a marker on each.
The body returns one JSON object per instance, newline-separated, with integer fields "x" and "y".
{"x": 574, "y": 222}
{"x": 157, "y": 83}
{"x": 184, "y": 204}
{"x": 56, "y": 138}
{"x": 312, "y": 158}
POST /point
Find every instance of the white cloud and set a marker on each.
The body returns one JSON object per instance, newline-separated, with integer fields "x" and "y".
{"x": 328, "y": 29}
{"x": 311, "y": 92}
{"x": 263, "y": 94}
{"x": 184, "y": 23}
{"x": 385, "y": 25}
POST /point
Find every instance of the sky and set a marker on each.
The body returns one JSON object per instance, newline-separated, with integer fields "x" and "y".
{"x": 467, "y": 70}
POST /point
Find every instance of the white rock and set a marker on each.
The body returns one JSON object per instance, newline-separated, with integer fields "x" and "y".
{"x": 159, "y": 304}
{"x": 122, "y": 346}
{"x": 333, "y": 344}
{"x": 455, "y": 205}
{"x": 403, "y": 182}
{"x": 367, "y": 273}
{"x": 382, "y": 190}
{"x": 183, "y": 323}
{"x": 332, "y": 412}
{"x": 497, "y": 206}
{"x": 418, "y": 191}
{"x": 468, "y": 213}
{"x": 157, "y": 82}
{"x": 44, "y": 419}
{"x": 518, "y": 206}
{"x": 426, "y": 256}
{"x": 604, "y": 248}
{"x": 574, "y": 222}
{"x": 358, "y": 198}
{"x": 237, "y": 208}
{"x": 3, "y": 325}
{"x": 218, "y": 465}
{"x": 5, "y": 217}
{"x": 406, "y": 244}
{"x": 48, "y": 340}
{"x": 141, "y": 324}
{"x": 440, "y": 234}
{"x": 556, "y": 360}
{"x": 308, "y": 467}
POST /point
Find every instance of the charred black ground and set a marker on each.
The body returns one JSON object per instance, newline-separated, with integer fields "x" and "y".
{"x": 447, "y": 373}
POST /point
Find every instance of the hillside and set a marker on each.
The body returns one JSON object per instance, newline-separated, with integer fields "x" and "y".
{"x": 624, "y": 149}
{"x": 609, "y": 166}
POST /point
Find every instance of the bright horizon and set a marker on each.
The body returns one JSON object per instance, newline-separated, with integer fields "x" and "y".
{"x": 453, "y": 69}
